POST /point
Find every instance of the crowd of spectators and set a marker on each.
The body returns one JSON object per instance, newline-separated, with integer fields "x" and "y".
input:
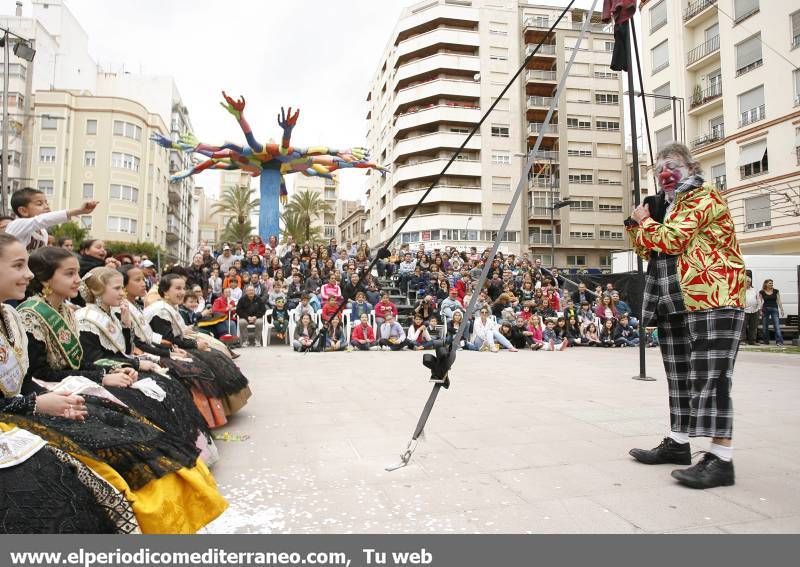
{"x": 321, "y": 297}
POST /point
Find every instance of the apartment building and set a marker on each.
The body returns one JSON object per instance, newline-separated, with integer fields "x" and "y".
{"x": 445, "y": 64}
{"x": 350, "y": 219}
{"x": 328, "y": 190}
{"x": 736, "y": 64}
{"x": 98, "y": 148}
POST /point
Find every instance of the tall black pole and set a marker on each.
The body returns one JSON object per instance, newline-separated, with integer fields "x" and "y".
{"x": 637, "y": 200}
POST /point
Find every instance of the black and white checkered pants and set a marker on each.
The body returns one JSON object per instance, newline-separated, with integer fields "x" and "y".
{"x": 699, "y": 350}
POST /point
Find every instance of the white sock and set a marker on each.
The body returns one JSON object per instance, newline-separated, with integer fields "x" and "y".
{"x": 721, "y": 451}
{"x": 679, "y": 437}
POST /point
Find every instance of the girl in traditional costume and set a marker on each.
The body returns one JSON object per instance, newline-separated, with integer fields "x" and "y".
{"x": 196, "y": 377}
{"x": 106, "y": 342}
{"x": 165, "y": 320}
{"x": 170, "y": 490}
{"x": 42, "y": 488}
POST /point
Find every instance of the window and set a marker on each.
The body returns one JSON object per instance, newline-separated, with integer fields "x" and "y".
{"x": 659, "y": 56}
{"x": 604, "y": 72}
{"x": 576, "y": 261}
{"x": 127, "y": 129}
{"x": 658, "y": 16}
{"x": 498, "y": 28}
{"x": 581, "y": 178}
{"x": 663, "y": 137}
{"x": 609, "y": 208}
{"x": 607, "y": 125}
{"x": 743, "y": 9}
{"x": 46, "y": 186}
{"x": 89, "y": 158}
{"x": 501, "y": 184}
{"x": 86, "y": 222}
{"x": 502, "y": 104}
{"x": 748, "y": 55}
{"x": 795, "y": 29}
{"x": 91, "y": 127}
{"x": 500, "y": 130}
{"x": 88, "y": 191}
{"x": 49, "y": 122}
{"x": 609, "y": 178}
{"x": 751, "y": 106}
{"x": 579, "y": 123}
{"x": 753, "y": 159}
{"x": 580, "y": 149}
{"x": 796, "y": 76}
{"x": 718, "y": 176}
{"x": 124, "y": 193}
{"x": 501, "y": 158}
{"x": 578, "y": 70}
{"x": 579, "y": 95}
{"x": 124, "y": 161}
{"x": 458, "y": 130}
{"x": 122, "y": 224}
{"x": 610, "y": 234}
{"x": 661, "y": 104}
{"x": 606, "y": 98}
{"x": 605, "y": 261}
{"x": 608, "y": 46}
{"x": 757, "y": 213}
{"x": 576, "y": 205}
{"x": 47, "y": 155}
{"x": 498, "y": 54}
{"x": 330, "y": 194}
{"x": 608, "y": 150}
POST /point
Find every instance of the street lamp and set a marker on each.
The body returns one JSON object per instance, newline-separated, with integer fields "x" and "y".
{"x": 23, "y": 50}
{"x": 560, "y": 204}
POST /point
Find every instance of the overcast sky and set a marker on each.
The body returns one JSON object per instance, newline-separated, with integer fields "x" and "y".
{"x": 316, "y": 55}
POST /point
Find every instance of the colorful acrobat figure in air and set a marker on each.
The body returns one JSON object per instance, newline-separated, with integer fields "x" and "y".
{"x": 270, "y": 161}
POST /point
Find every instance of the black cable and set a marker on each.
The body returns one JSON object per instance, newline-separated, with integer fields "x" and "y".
{"x": 383, "y": 250}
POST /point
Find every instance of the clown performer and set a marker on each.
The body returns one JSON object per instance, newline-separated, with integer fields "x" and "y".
{"x": 694, "y": 292}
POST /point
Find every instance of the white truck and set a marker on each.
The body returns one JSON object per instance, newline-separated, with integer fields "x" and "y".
{"x": 783, "y": 269}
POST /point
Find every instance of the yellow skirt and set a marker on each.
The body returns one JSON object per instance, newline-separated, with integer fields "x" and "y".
{"x": 181, "y": 502}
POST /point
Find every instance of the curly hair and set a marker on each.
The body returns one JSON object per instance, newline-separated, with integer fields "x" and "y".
{"x": 676, "y": 149}
{"x": 95, "y": 282}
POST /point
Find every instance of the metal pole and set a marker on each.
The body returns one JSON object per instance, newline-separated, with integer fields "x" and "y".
{"x": 674, "y": 120}
{"x": 6, "y": 154}
{"x": 552, "y": 213}
{"x": 637, "y": 200}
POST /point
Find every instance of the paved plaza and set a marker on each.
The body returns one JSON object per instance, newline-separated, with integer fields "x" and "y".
{"x": 532, "y": 442}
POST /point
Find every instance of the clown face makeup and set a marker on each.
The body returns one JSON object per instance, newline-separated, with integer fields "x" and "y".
{"x": 670, "y": 172}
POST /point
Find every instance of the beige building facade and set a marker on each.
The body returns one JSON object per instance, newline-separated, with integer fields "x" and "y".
{"x": 328, "y": 190}
{"x": 351, "y": 218}
{"x": 98, "y": 148}
{"x": 446, "y": 63}
{"x": 736, "y": 63}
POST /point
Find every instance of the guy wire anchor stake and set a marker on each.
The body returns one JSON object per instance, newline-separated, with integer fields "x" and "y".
{"x": 405, "y": 457}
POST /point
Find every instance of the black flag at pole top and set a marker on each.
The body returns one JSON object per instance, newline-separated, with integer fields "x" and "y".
{"x": 620, "y": 11}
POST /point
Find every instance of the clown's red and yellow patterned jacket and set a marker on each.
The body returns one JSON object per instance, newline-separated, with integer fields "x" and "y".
{"x": 698, "y": 230}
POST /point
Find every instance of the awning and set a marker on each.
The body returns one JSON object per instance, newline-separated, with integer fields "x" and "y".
{"x": 752, "y": 153}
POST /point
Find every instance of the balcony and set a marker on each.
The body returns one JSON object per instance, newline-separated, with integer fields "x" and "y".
{"x": 546, "y": 49}
{"x": 453, "y": 113}
{"x": 535, "y": 128}
{"x": 753, "y": 115}
{"x": 546, "y": 155}
{"x": 696, "y": 8}
{"x": 450, "y": 36}
{"x": 439, "y": 194}
{"x": 436, "y": 62}
{"x": 701, "y": 52}
{"x": 539, "y": 238}
{"x": 540, "y": 101}
{"x": 715, "y": 135}
{"x": 702, "y": 97}
{"x": 539, "y": 76}
{"x": 543, "y": 182}
{"x": 435, "y": 89}
{"x": 434, "y": 140}
{"x": 433, "y": 167}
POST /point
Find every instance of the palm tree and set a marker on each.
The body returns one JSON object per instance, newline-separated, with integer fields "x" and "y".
{"x": 236, "y": 231}
{"x": 302, "y": 210}
{"x": 237, "y": 201}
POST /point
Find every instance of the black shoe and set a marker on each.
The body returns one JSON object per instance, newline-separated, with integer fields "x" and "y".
{"x": 711, "y": 471}
{"x": 669, "y": 451}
